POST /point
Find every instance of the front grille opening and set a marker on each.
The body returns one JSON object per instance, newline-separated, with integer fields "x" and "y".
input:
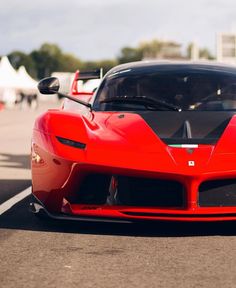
{"x": 94, "y": 189}
{"x": 217, "y": 193}
{"x": 101, "y": 189}
{"x": 132, "y": 191}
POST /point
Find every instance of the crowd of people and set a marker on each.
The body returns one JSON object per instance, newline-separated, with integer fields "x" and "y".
{"x": 27, "y": 100}
{"x": 19, "y": 99}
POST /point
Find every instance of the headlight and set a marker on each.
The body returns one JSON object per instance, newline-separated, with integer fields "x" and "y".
{"x": 71, "y": 143}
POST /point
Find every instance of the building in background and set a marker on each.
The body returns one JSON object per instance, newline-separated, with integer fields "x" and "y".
{"x": 193, "y": 51}
{"x": 170, "y": 50}
{"x": 226, "y": 48}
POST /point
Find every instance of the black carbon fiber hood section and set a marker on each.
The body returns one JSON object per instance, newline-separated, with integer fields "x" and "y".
{"x": 188, "y": 127}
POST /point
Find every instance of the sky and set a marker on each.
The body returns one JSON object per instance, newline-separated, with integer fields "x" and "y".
{"x": 98, "y": 29}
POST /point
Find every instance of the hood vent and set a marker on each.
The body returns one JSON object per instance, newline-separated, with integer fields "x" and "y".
{"x": 188, "y": 127}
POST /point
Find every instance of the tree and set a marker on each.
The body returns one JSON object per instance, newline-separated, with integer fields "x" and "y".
{"x": 70, "y": 63}
{"x": 48, "y": 58}
{"x": 129, "y": 54}
{"x": 150, "y": 49}
{"x": 193, "y": 52}
{"x": 204, "y": 53}
{"x": 157, "y": 49}
{"x": 105, "y": 64}
{"x": 18, "y": 58}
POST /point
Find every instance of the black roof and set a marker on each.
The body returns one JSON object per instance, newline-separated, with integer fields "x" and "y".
{"x": 171, "y": 65}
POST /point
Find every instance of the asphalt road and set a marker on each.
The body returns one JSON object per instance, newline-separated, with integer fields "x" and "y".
{"x": 68, "y": 254}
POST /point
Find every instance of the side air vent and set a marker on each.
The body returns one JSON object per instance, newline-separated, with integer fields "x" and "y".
{"x": 217, "y": 193}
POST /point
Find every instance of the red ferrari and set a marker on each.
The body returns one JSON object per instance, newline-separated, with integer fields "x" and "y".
{"x": 155, "y": 141}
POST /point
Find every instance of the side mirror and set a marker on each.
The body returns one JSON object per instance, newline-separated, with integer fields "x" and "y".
{"x": 49, "y": 85}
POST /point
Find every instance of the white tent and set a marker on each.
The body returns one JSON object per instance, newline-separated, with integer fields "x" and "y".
{"x": 26, "y": 81}
{"x": 12, "y": 82}
{"x": 9, "y": 81}
{"x": 8, "y": 75}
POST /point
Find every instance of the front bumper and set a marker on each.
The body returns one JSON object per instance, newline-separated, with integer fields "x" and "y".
{"x": 37, "y": 208}
{"x": 117, "y": 214}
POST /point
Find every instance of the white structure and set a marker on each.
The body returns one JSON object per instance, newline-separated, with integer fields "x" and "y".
{"x": 194, "y": 52}
{"x": 9, "y": 82}
{"x": 226, "y": 48}
{"x": 13, "y": 82}
{"x": 67, "y": 78}
{"x": 26, "y": 81}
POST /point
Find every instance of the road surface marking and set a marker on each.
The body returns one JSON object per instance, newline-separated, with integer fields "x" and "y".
{"x": 15, "y": 199}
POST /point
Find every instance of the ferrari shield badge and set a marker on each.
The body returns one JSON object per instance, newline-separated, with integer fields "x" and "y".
{"x": 191, "y": 163}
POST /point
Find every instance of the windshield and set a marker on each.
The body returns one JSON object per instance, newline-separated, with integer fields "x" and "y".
{"x": 193, "y": 89}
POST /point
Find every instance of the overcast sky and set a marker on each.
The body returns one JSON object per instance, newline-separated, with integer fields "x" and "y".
{"x": 98, "y": 29}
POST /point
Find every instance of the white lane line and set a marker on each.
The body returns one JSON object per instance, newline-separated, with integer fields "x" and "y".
{"x": 15, "y": 199}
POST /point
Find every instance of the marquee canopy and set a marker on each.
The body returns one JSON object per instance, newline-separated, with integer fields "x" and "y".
{"x": 12, "y": 82}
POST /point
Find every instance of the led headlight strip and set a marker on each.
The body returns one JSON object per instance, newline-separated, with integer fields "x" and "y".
{"x": 71, "y": 143}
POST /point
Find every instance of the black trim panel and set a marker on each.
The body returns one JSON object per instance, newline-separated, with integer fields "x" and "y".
{"x": 204, "y": 127}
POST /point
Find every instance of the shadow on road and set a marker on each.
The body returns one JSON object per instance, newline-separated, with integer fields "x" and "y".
{"x": 14, "y": 161}
{"x": 9, "y": 188}
{"x": 21, "y": 219}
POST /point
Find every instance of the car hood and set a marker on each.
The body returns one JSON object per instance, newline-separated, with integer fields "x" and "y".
{"x": 145, "y": 141}
{"x": 167, "y": 141}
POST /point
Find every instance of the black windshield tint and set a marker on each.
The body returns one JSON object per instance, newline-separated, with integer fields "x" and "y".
{"x": 197, "y": 89}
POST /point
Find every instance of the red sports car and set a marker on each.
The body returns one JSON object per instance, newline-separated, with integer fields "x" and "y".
{"x": 155, "y": 141}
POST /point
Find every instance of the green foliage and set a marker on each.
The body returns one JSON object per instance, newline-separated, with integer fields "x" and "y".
{"x": 203, "y": 53}
{"x": 154, "y": 49}
{"x": 50, "y": 58}
{"x": 92, "y": 65}
{"x": 206, "y": 54}
{"x": 129, "y": 54}
{"x": 69, "y": 63}
{"x": 150, "y": 49}
{"x": 157, "y": 49}
{"x": 18, "y": 58}
{"x": 47, "y": 59}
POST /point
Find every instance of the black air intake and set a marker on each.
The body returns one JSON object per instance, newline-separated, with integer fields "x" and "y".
{"x": 217, "y": 193}
{"x": 146, "y": 192}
